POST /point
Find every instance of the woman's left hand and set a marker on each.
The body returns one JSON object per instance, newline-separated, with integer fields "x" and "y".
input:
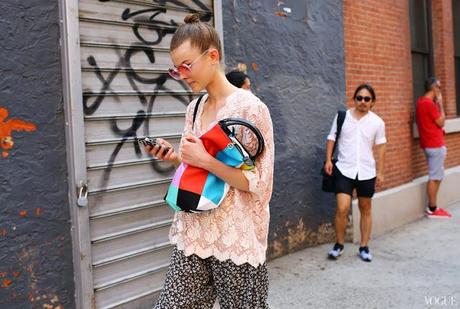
{"x": 193, "y": 152}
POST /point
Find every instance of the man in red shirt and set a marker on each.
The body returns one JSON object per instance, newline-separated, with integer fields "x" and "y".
{"x": 430, "y": 119}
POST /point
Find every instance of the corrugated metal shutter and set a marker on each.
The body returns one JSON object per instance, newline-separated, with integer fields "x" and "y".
{"x": 127, "y": 94}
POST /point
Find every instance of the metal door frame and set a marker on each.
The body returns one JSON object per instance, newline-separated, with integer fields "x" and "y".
{"x": 76, "y": 153}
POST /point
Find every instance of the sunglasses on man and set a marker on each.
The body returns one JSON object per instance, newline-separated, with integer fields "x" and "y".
{"x": 360, "y": 98}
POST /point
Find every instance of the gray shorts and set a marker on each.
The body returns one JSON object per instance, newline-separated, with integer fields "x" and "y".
{"x": 436, "y": 158}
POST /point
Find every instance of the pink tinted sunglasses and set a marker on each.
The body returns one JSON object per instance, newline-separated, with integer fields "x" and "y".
{"x": 184, "y": 69}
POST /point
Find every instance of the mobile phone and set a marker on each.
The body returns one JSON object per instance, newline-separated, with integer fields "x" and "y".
{"x": 149, "y": 141}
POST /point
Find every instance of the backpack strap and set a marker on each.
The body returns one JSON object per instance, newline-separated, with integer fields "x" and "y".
{"x": 340, "y": 120}
{"x": 195, "y": 111}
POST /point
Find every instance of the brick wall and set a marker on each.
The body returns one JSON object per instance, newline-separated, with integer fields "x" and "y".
{"x": 443, "y": 48}
{"x": 377, "y": 50}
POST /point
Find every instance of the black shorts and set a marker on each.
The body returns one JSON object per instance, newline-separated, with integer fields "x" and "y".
{"x": 364, "y": 188}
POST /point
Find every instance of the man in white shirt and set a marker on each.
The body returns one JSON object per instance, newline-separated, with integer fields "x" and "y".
{"x": 356, "y": 167}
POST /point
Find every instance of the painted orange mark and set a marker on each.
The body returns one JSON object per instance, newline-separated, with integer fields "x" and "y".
{"x": 280, "y": 14}
{"x": 23, "y": 213}
{"x": 3, "y": 232}
{"x": 254, "y": 66}
{"x": 6, "y": 129}
{"x": 6, "y": 283}
{"x": 37, "y": 211}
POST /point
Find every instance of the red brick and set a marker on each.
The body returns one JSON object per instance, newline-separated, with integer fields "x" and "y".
{"x": 378, "y": 51}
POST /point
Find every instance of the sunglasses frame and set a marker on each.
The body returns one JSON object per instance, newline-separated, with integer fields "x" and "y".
{"x": 366, "y": 99}
{"x": 175, "y": 72}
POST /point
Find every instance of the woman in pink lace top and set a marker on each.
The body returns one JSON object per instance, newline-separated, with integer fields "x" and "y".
{"x": 219, "y": 253}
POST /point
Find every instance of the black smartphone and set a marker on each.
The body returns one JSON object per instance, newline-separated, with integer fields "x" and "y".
{"x": 149, "y": 141}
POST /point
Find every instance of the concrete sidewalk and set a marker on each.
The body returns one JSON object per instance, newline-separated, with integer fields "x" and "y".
{"x": 412, "y": 266}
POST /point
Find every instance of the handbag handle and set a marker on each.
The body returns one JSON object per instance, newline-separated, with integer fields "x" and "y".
{"x": 226, "y": 123}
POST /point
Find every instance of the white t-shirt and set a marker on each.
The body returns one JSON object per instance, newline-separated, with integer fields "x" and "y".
{"x": 355, "y": 157}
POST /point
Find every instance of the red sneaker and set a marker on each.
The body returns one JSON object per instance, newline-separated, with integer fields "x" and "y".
{"x": 438, "y": 213}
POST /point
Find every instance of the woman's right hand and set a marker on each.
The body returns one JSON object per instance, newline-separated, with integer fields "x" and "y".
{"x": 163, "y": 150}
{"x": 328, "y": 166}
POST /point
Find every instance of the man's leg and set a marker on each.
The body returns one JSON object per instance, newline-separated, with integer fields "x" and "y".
{"x": 365, "y": 205}
{"x": 343, "y": 193}
{"x": 365, "y": 190}
{"x": 432, "y": 188}
{"x": 436, "y": 158}
{"x": 341, "y": 216}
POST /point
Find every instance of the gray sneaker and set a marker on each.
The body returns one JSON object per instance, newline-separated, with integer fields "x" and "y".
{"x": 335, "y": 252}
{"x": 365, "y": 254}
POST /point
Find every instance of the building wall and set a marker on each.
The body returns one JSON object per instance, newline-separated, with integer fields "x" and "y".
{"x": 295, "y": 62}
{"x": 378, "y": 51}
{"x": 444, "y": 67}
{"x": 35, "y": 245}
{"x": 295, "y": 54}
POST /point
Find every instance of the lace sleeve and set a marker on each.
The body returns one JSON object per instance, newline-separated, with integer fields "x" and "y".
{"x": 261, "y": 177}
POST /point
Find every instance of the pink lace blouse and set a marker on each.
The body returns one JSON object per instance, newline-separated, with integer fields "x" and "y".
{"x": 238, "y": 228}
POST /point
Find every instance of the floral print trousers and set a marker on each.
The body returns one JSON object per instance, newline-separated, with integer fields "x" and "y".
{"x": 195, "y": 283}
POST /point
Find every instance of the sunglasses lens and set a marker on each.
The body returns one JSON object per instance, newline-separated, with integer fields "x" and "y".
{"x": 361, "y": 98}
{"x": 174, "y": 73}
{"x": 183, "y": 69}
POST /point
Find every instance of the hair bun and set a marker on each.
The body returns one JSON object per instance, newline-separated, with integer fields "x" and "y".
{"x": 192, "y": 18}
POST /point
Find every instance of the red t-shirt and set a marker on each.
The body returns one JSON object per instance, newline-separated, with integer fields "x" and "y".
{"x": 431, "y": 136}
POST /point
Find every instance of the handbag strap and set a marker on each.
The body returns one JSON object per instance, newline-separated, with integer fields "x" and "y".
{"x": 340, "y": 120}
{"x": 227, "y": 122}
{"x": 195, "y": 111}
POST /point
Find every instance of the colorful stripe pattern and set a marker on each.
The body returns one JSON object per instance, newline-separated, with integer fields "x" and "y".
{"x": 194, "y": 189}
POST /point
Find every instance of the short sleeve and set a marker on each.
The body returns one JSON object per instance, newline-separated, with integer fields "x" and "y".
{"x": 333, "y": 133}
{"x": 380, "y": 137}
